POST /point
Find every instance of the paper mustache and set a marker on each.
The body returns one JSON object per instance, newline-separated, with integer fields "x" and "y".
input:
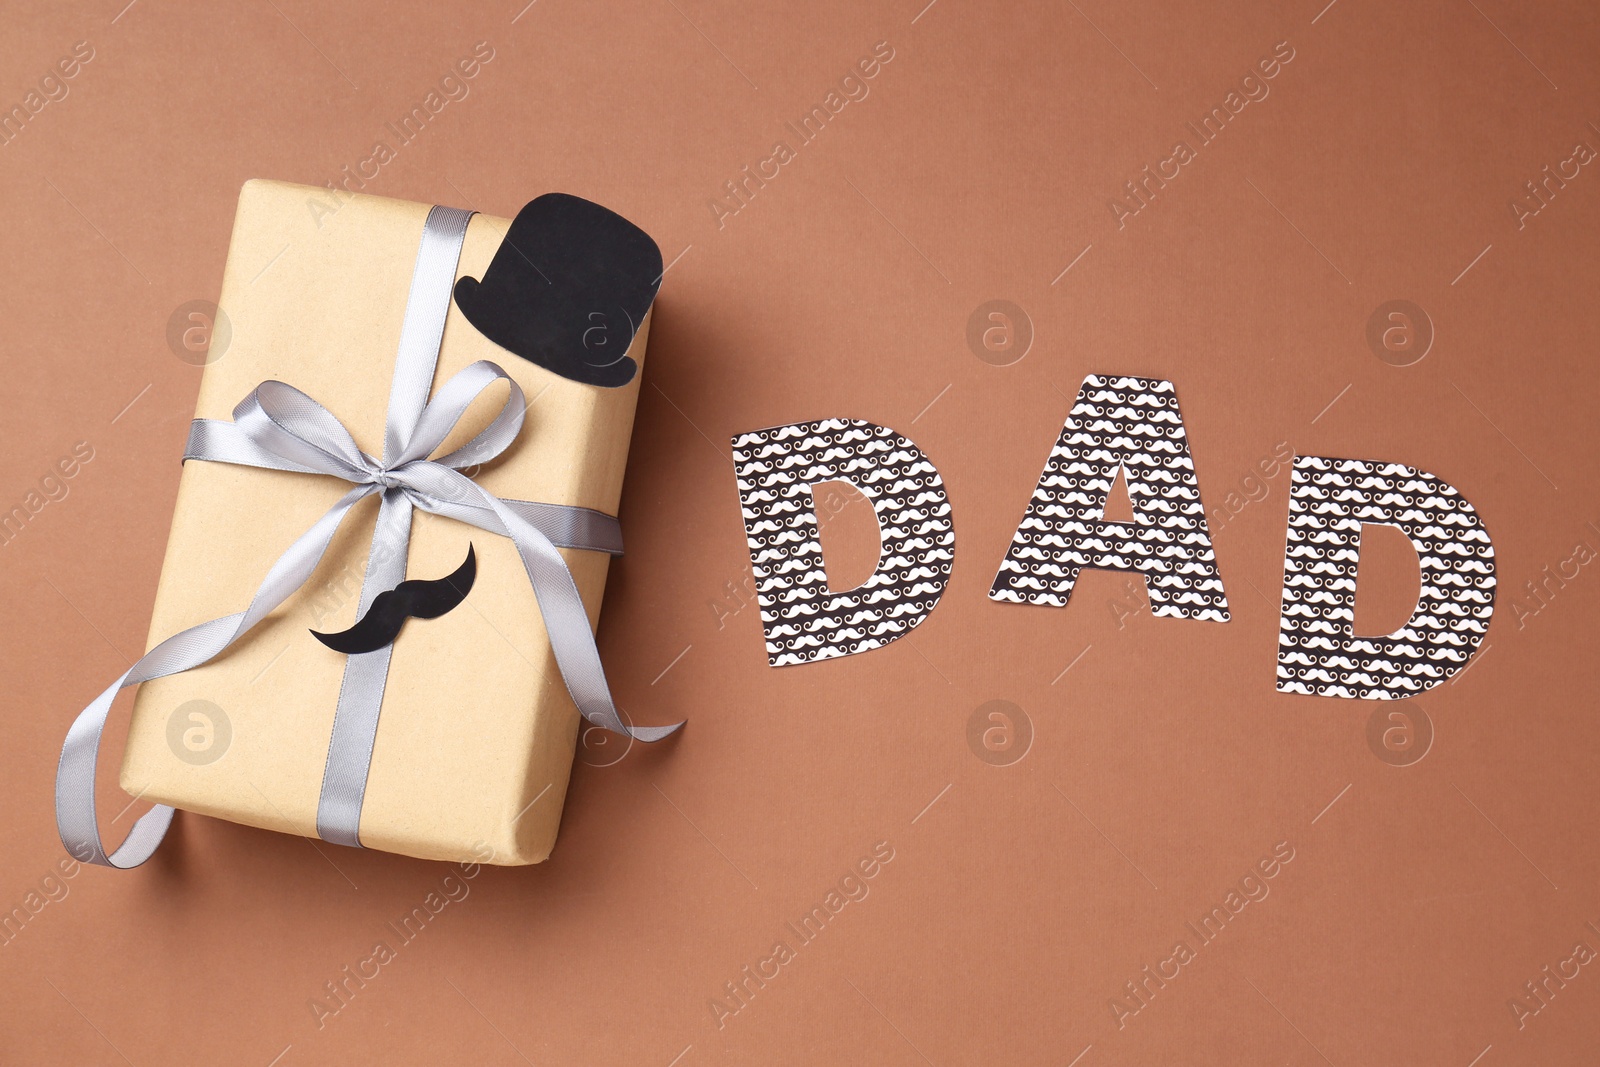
{"x": 416, "y": 598}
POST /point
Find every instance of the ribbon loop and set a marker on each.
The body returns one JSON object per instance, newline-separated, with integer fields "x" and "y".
{"x": 288, "y": 423}
{"x": 448, "y": 406}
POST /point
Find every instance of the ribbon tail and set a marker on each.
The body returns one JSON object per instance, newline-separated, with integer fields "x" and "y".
{"x": 75, "y": 774}
{"x": 567, "y": 622}
{"x": 560, "y": 605}
{"x": 75, "y": 814}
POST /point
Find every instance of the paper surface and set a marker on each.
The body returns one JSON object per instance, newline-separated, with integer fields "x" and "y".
{"x": 1065, "y": 789}
{"x": 477, "y": 734}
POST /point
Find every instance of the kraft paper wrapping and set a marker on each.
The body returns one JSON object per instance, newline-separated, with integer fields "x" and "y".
{"x": 477, "y": 733}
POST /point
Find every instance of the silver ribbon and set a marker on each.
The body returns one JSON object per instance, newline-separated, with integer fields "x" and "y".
{"x": 281, "y": 428}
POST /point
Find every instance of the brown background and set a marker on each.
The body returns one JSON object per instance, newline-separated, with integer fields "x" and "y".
{"x": 1163, "y": 764}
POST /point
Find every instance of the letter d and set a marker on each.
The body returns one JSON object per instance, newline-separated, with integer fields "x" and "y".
{"x": 803, "y": 619}
{"x": 1319, "y": 653}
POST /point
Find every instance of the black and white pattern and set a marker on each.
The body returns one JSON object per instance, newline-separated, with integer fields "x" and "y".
{"x": 1132, "y": 425}
{"x": 803, "y": 619}
{"x": 1318, "y": 652}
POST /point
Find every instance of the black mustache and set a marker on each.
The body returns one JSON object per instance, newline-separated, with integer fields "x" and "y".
{"x": 416, "y": 598}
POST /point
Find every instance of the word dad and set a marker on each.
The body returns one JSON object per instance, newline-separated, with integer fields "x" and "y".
{"x": 1132, "y": 426}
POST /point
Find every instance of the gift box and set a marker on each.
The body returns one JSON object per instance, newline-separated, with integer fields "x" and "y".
{"x": 477, "y": 731}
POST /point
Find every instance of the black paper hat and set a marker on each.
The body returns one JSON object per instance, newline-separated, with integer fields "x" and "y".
{"x": 567, "y": 289}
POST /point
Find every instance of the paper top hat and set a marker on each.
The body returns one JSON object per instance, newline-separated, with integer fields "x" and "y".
{"x": 567, "y": 289}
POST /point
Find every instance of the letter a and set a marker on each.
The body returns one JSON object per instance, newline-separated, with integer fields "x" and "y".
{"x": 804, "y": 620}
{"x": 1318, "y": 651}
{"x": 1132, "y": 425}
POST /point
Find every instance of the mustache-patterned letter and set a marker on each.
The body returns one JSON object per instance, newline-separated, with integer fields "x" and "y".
{"x": 1319, "y": 652}
{"x": 422, "y": 599}
{"x": 804, "y": 618}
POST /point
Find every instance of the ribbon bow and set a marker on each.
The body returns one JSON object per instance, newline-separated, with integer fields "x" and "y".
{"x": 280, "y": 428}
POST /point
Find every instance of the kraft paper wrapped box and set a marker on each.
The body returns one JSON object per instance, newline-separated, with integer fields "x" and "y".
{"x": 477, "y": 731}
